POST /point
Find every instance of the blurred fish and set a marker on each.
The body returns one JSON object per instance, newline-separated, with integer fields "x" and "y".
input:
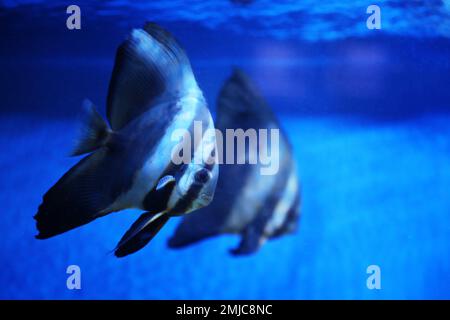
{"x": 257, "y": 207}
{"x": 152, "y": 92}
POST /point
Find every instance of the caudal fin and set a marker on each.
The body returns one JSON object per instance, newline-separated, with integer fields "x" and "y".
{"x": 94, "y": 131}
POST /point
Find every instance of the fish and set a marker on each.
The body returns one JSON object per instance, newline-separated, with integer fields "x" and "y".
{"x": 128, "y": 159}
{"x": 254, "y": 206}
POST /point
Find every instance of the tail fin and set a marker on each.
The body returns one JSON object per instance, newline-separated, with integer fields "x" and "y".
{"x": 94, "y": 132}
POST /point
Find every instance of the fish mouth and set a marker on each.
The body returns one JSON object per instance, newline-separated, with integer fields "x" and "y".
{"x": 206, "y": 197}
{"x": 203, "y": 198}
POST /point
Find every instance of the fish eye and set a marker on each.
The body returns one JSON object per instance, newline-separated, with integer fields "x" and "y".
{"x": 202, "y": 176}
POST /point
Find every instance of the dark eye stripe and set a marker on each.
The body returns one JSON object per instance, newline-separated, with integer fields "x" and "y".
{"x": 191, "y": 195}
{"x": 202, "y": 176}
{"x": 186, "y": 202}
{"x": 194, "y": 189}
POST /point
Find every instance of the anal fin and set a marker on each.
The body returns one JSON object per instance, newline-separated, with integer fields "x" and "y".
{"x": 253, "y": 236}
{"x": 251, "y": 240}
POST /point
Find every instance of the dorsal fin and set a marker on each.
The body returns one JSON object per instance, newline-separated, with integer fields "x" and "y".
{"x": 239, "y": 98}
{"x": 150, "y": 66}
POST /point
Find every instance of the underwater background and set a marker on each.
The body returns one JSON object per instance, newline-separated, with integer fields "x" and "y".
{"x": 367, "y": 112}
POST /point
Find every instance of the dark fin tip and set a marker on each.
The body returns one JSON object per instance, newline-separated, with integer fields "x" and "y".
{"x": 119, "y": 254}
{"x": 239, "y": 76}
{"x": 161, "y": 35}
{"x": 174, "y": 244}
{"x": 238, "y": 252}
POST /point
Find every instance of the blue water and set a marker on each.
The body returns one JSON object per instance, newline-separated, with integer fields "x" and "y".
{"x": 367, "y": 111}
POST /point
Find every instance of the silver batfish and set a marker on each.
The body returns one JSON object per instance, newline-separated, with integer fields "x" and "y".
{"x": 152, "y": 92}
